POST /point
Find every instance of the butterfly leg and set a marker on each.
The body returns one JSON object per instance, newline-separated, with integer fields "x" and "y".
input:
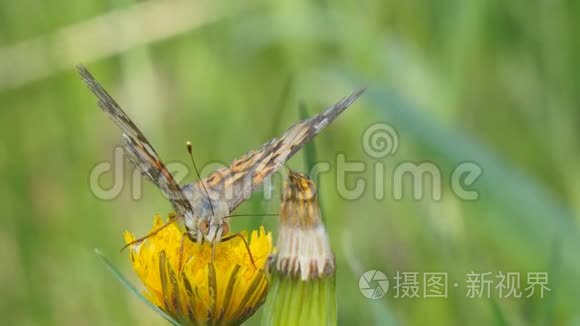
{"x": 172, "y": 220}
{"x": 245, "y": 243}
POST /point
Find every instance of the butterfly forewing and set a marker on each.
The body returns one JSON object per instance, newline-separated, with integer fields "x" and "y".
{"x": 140, "y": 151}
{"x": 237, "y": 182}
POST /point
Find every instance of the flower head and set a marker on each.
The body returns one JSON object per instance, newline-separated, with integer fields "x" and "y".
{"x": 303, "y": 245}
{"x": 194, "y": 288}
{"x": 303, "y": 271}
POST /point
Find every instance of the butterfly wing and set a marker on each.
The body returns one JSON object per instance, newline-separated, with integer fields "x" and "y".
{"x": 237, "y": 182}
{"x": 140, "y": 151}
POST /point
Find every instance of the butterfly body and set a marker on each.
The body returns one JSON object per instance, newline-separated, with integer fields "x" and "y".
{"x": 204, "y": 206}
{"x": 210, "y": 220}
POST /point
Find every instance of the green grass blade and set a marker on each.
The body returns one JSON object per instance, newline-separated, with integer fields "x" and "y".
{"x": 381, "y": 313}
{"x": 131, "y": 288}
{"x": 500, "y": 318}
{"x": 280, "y": 105}
{"x": 534, "y": 209}
{"x": 310, "y": 157}
{"x": 309, "y": 149}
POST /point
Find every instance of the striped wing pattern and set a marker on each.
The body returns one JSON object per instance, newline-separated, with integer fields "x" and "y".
{"x": 138, "y": 148}
{"x": 237, "y": 182}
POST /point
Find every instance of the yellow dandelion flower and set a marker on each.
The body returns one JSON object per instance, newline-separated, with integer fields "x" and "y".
{"x": 197, "y": 290}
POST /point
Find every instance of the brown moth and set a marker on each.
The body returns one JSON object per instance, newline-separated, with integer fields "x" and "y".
{"x": 205, "y": 206}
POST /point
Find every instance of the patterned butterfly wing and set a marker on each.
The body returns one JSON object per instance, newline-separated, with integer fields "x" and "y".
{"x": 138, "y": 148}
{"x": 237, "y": 182}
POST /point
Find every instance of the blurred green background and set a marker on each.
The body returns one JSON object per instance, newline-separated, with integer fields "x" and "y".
{"x": 487, "y": 81}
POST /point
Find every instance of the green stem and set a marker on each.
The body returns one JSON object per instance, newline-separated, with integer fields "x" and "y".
{"x": 292, "y": 301}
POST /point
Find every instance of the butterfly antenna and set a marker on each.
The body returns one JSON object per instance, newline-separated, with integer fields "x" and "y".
{"x": 199, "y": 177}
{"x": 237, "y": 215}
{"x": 152, "y": 233}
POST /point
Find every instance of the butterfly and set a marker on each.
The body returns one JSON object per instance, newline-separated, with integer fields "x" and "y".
{"x": 205, "y": 206}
